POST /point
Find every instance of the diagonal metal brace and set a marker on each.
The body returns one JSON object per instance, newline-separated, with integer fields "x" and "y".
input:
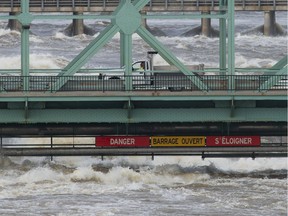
{"x": 85, "y": 55}
{"x": 273, "y": 80}
{"x": 169, "y": 57}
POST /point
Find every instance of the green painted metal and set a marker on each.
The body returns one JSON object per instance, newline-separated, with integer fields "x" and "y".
{"x": 172, "y": 98}
{"x": 144, "y": 115}
{"x": 273, "y": 80}
{"x": 25, "y": 17}
{"x": 127, "y": 20}
{"x": 169, "y": 57}
{"x": 222, "y": 39}
{"x": 127, "y": 17}
{"x": 280, "y": 64}
{"x": 90, "y": 50}
{"x": 25, "y": 20}
{"x": 231, "y": 43}
{"x": 26, "y": 107}
{"x": 127, "y": 58}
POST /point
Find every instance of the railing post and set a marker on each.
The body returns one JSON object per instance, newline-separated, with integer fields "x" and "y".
{"x": 42, "y": 4}
{"x": 51, "y": 145}
{"x": 89, "y": 4}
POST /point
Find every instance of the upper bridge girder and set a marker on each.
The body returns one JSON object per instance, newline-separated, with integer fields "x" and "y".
{"x": 153, "y": 5}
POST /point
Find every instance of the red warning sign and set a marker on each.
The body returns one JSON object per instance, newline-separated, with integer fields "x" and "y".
{"x": 122, "y": 141}
{"x": 233, "y": 141}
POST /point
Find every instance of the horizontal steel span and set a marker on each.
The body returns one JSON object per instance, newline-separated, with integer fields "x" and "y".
{"x": 153, "y": 5}
{"x": 171, "y": 128}
{"x": 204, "y": 152}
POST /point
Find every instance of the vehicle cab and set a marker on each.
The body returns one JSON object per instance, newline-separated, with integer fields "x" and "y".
{"x": 140, "y": 66}
{"x": 141, "y": 73}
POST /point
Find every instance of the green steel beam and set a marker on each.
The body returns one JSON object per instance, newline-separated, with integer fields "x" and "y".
{"x": 25, "y": 20}
{"x": 87, "y": 53}
{"x": 173, "y": 98}
{"x": 169, "y": 57}
{"x": 144, "y": 115}
{"x": 126, "y": 57}
{"x": 231, "y": 43}
{"x": 127, "y": 20}
{"x": 106, "y": 35}
{"x": 222, "y": 40}
{"x": 122, "y": 48}
{"x": 280, "y": 64}
{"x": 273, "y": 80}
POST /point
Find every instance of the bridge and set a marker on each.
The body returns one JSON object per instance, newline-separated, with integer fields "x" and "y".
{"x": 182, "y": 103}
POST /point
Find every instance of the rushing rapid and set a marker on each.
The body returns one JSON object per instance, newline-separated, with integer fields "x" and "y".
{"x": 139, "y": 185}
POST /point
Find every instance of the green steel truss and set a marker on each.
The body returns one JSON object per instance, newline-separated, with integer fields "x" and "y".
{"x": 126, "y": 19}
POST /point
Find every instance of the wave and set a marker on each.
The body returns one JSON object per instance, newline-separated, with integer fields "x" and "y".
{"x": 37, "y": 61}
{"x": 172, "y": 165}
{"x": 244, "y": 62}
{"x": 90, "y": 175}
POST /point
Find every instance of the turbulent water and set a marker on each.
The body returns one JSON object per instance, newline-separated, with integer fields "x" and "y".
{"x": 138, "y": 185}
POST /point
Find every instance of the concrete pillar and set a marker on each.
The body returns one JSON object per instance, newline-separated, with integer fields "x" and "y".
{"x": 144, "y": 21}
{"x": 14, "y": 24}
{"x": 206, "y": 25}
{"x": 269, "y": 23}
{"x": 78, "y": 25}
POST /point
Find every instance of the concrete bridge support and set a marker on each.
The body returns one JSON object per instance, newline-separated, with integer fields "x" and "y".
{"x": 144, "y": 21}
{"x": 14, "y": 24}
{"x": 206, "y": 25}
{"x": 269, "y": 23}
{"x": 77, "y": 25}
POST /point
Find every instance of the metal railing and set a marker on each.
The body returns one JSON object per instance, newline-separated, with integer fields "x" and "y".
{"x": 152, "y": 5}
{"x": 143, "y": 83}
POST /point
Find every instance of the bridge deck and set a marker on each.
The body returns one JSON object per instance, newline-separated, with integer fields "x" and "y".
{"x": 144, "y": 94}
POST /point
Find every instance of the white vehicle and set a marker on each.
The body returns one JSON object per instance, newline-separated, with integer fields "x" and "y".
{"x": 145, "y": 72}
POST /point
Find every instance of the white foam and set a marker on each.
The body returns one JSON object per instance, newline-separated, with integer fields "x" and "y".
{"x": 7, "y": 31}
{"x": 37, "y": 61}
{"x": 61, "y": 36}
{"x": 35, "y": 39}
{"x": 158, "y": 60}
{"x": 243, "y": 62}
{"x": 246, "y": 165}
{"x": 40, "y": 174}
